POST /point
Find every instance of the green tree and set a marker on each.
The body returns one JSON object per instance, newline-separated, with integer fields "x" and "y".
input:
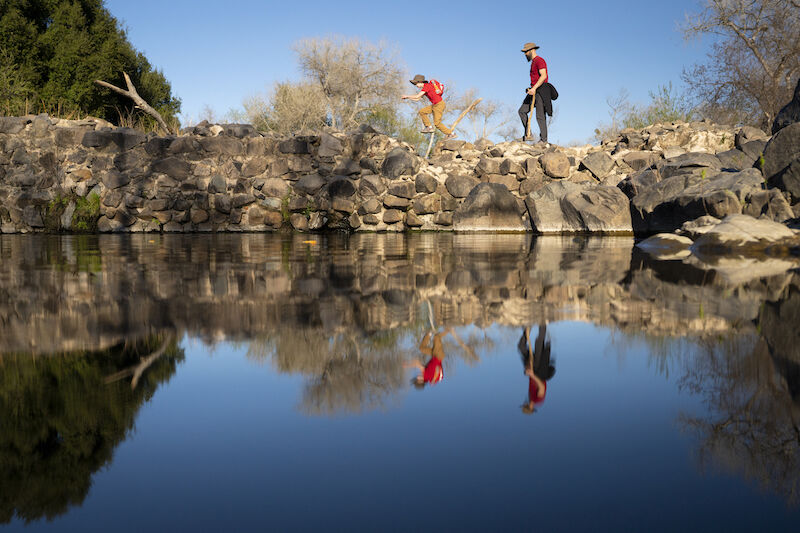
{"x": 55, "y": 49}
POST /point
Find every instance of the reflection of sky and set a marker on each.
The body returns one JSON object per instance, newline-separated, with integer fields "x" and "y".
{"x": 224, "y": 446}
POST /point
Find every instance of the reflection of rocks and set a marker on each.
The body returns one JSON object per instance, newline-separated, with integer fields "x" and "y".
{"x": 752, "y": 388}
{"x": 75, "y": 293}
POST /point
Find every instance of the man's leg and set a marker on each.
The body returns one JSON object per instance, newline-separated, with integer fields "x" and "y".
{"x": 423, "y": 113}
{"x": 438, "y": 111}
{"x": 541, "y": 118}
{"x": 523, "y": 111}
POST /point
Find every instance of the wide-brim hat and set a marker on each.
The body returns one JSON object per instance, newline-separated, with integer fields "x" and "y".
{"x": 527, "y": 47}
{"x": 419, "y": 78}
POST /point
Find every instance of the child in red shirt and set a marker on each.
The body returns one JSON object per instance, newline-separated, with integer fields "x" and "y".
{"x": 432, "y": 373}
{"x": 437, "y": 107}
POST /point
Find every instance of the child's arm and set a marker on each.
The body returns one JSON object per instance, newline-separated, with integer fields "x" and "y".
{"x": 414, "y": 97}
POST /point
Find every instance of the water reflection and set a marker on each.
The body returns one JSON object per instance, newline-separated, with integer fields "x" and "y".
{"x": 539, "y": 366}
{"x": 62, "y": 416}
{"x": 89, "y": 329}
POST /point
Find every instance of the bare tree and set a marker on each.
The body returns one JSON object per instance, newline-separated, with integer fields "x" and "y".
{"x": 289, "y": 108}
{"x": 355, "y": 77}
{"x": 753, "y": 64}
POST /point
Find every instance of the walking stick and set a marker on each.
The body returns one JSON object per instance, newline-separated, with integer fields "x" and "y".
{"x": 453, "y": 127}
{"x": 530, "y": 117}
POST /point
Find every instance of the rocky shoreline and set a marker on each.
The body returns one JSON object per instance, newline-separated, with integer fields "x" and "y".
{"x": 83, "y": 176}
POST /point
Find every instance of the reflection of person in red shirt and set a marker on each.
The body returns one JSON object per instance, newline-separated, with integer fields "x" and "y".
{"x": 538, "y": 366}
{"x": 432, "y": 372}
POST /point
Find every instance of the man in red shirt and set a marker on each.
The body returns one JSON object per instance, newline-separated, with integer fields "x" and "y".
{"x": 538, "y": 78}
{"x": 436, "y": 108}
{"x": 538, "y": 366}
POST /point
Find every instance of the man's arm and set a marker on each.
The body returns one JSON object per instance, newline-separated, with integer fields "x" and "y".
{"x": 539, "y": 82}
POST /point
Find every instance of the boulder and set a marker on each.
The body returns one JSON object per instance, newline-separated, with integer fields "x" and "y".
{"x": 399, "y": 162}
{"x": 747, "y": 134}
{"x": 544, "y": 207}
{"x": 459, "y": 185}
{"x": 567, "y": 207}
{"x": 403, "y": 189}
{"x": 222, "y": 145}
{"x": 294, "y": 146}
{"x": 736, "y": 160}
{"x": 639, "y": 181}
{"x": 299, "y": 222}
{"x": 790, "y": 114}
{"x": 341, "y": 188}
{"x": 309, "y": 184}
{"x": 217, "y": 184}
{"x": 781, "y": 151}
{"x": 669, "y": 203}
{"x": 114, "y": 179}
{"x": 329, "y": 146}
{"x": 372, "y": 185}
{"x": 640, "y": 160}
{"x": 598, "y": 163}
{"x": 555, "y": 164}
{"x": 175, "y": 168}
{"x": 745, "y": 235}
{"x": 275, "y": 187}
{"x": 789, "y": 181}
{"x": 488, "y": 207}
{"x": 425, "y": 183}
{"x": 666, "y": 246}
{"x": 690, "y": 161}
{"x": 392, "y": 216}
{"x": 430, "y": 203}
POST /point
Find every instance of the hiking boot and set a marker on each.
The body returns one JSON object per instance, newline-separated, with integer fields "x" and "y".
{"x": 526, "y": 138}
{"x": 429, "y": 129}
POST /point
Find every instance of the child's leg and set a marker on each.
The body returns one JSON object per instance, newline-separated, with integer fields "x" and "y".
{"x": 423, "y": 113}
{"x": 438, "y": 111}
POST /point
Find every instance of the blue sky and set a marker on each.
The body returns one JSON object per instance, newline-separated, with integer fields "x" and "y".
{"x": 217, "y": 53}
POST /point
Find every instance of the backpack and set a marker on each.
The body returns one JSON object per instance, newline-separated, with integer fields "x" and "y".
{"x": 438, "y": 88}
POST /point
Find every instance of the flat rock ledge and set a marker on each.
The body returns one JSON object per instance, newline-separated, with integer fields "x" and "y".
{"x": 83, "y": 176}
{"x": 738, "y": 247}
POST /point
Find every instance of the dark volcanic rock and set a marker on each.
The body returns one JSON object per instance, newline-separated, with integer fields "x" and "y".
{"x": 459, "y": 186}
{"x": 781, "y": 151}
{"x": 790, "y": 114}
{"x": 489, "y": 206}
{"x": 399, "y": 162}
{"x": 669, "y": 203}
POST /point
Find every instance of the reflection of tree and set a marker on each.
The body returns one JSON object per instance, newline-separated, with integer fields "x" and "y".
{"x": 61, "y": 422}
{"x": 753, "y": 422}
{"x": 350, "y": 371}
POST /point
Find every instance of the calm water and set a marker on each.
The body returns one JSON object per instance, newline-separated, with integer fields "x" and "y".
{"x": 252, "y": 382}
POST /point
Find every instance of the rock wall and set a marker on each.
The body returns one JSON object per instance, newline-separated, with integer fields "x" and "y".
{"x": 80, "y": 176}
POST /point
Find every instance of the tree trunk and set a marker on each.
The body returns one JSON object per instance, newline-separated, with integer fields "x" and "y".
{"x": 138, "y": 100}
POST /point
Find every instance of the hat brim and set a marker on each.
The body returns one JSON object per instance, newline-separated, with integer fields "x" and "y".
{"x": 529, "y": 49}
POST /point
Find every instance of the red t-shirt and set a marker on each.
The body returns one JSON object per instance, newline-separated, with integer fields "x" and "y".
{"x": 433, "y": 373}
{"x": 430, "y": 92}
{"x": 536, "y": 65}
{"x": 533, "y": 391}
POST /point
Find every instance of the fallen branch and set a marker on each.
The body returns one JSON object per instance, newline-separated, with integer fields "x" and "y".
{"x": 138, "y": 100}
{"x": 144, "y": 363}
